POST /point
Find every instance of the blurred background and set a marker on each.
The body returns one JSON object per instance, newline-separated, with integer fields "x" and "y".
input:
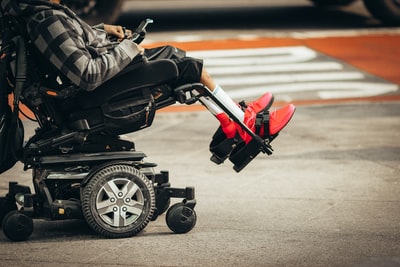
{"x": 334, "y": 11}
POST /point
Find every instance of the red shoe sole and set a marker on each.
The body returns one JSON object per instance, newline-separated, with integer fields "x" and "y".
{"x": 280, "y": 118}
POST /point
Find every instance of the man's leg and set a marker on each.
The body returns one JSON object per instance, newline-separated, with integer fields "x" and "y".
{"x": 220, "y": 94}
{"x": 278, "y": 118}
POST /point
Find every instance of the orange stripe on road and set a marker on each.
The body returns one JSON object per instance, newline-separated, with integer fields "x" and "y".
{"x": 230, "y": 44}
{"x": 378, "y": 55}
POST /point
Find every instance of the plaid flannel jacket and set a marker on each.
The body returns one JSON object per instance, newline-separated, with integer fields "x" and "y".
{"x": 82, "y": 53}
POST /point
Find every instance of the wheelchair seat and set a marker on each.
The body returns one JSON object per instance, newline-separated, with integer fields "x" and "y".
{"x": 125, "y": 103}
{"x": 146, "y": 74}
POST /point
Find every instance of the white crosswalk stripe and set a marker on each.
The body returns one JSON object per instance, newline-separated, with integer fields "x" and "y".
{"x": 290, "y": 73}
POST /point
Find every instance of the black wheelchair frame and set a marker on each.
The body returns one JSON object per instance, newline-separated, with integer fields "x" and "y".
{"x": 82, "y": 169}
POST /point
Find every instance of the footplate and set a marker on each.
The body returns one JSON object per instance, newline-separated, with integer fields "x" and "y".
{"x": 243, "y": 154}
{"x": 238, "y": 152}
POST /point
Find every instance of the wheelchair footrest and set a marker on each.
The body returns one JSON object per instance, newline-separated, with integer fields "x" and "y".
{"x": 243, "y": 154}
{"x": 221, "y": 146}
{"x": 238, "y": 152}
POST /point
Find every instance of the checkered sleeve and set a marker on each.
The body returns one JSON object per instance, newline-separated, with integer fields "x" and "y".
{"x": 74, "y": 52}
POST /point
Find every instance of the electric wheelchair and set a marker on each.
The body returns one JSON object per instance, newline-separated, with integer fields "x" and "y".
{"x": 81, "y": 167}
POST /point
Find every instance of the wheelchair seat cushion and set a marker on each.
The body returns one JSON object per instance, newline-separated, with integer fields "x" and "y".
{"x": 134, "y": 77}
{"x": 125, "y": 103}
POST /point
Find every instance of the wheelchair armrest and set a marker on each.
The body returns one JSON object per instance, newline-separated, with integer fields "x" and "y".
{"x": 184, "y": 93}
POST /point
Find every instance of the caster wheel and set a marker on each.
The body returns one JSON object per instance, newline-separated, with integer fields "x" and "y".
{"x": 180, "y": 218}
{"x": 17, "y": 226}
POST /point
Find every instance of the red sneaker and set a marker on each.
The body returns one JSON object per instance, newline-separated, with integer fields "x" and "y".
{"x": 278, "y": 119}
{"x": 262, "y": 103}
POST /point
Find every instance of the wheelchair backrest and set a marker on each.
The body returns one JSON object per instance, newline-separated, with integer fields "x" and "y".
{"x": 21, "y": 75}
{"x": 11, "y": 129}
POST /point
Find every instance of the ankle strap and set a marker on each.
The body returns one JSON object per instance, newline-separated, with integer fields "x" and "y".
{"x": 262, "y": 121}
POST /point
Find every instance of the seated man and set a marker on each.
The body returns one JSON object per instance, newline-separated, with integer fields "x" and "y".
{"x": 88, "y": 58}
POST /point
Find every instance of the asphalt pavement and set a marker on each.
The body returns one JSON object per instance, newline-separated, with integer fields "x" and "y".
{"x": 328, "y": 196}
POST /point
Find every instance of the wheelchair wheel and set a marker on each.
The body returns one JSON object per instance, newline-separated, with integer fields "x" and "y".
{"x": 17, "y": 226}
{"x": 118, "y": 201}
{"x": 180, "y": 218}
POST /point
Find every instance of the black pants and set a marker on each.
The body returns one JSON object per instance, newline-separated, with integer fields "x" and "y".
{"x": 189, "y": 68}
{"x": 189, "y": 71}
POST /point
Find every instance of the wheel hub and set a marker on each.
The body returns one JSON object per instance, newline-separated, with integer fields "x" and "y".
{"x": 120, "y": 202}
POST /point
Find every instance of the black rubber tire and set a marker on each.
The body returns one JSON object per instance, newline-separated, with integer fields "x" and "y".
{"x": 103, "y": 11}
{"x": 180, "y": 218}
{"x": 323, "y": 3}
{"x": 17, "y": 226}
{"x": 388, "y": 11}
{"x": 113, "y": 221}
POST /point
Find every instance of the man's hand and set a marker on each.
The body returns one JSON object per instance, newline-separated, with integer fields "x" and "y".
{"x": 121, "y": 34}
{"x": 117, "y": 31}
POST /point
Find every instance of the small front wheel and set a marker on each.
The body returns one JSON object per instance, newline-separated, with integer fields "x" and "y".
{"x": 17, "y": 226}
{"x": 180, "y": 218}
